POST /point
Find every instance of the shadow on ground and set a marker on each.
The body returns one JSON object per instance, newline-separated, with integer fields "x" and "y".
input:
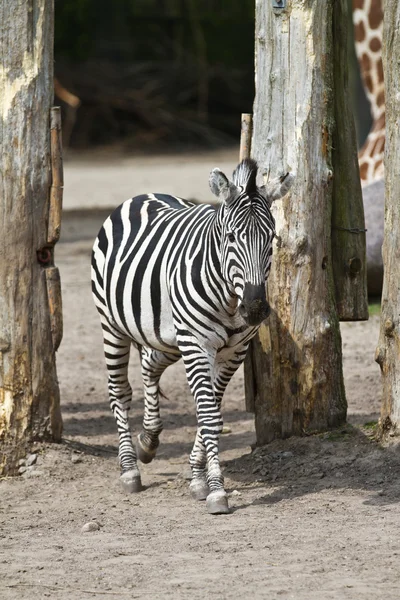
{"x": 348, "y": 458}
{"x": 344, "y": 459}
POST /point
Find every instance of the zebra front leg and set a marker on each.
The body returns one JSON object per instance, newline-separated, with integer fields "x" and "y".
{"x": 198, "y": 462}
{"x": 199, "y": 366}
{"x": 116, "y": 350}
{"x": 153, "y": 363}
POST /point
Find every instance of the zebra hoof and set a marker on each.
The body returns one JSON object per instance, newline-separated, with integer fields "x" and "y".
{"x": 199, "y": 489}
{"x": 217, "y": 503}
{"x": 144, "y": 454}
{"x": 131, "y": 482}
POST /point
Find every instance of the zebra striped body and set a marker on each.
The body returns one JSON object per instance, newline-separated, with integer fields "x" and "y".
{"x": 179, "y": 280}
{"x": 146, "y": 292}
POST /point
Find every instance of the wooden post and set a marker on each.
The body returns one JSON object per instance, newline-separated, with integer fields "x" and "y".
{"x": 349, "y": 259}
{"x": 57, "y": 177}
{"x": 249, "y": 376}
{"x": 388, "y": 351}
{"x": 245, "y": 152}
{"x": 246, "y": 132}
{"x": 296, "y": 360}
{"x": 29, "y": 393}
{"x": 54, "y": 227}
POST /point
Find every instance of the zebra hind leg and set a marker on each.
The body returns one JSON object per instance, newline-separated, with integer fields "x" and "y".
{"x": 116, "y": 350}
{"x": 154, "y": 363}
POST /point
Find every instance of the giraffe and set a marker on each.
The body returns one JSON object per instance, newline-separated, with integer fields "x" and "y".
{"x": 368, "y": 26}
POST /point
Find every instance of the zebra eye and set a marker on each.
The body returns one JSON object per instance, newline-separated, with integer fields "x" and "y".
{"x": 231, "y": 236}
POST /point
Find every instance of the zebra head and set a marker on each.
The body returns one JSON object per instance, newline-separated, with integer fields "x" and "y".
{"x": 248, "y": 229}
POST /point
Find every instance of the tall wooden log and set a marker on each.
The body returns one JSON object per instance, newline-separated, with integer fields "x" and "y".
{"x": 29, "y": 394}
{"x": 348, "y": 226}
{"x": 388, "y": 351}
{"x": 296, "y": 359}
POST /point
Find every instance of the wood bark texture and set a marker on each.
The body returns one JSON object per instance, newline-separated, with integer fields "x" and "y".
{"x": 296, "y": 360}
{"x": 246, "y": 132}
{"x": 348, "y": 225}
{"x": 29, "y": 394}
{"x": 388, "y": 351}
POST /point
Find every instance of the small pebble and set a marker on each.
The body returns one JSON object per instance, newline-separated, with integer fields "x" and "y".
{"x": 21, "y": 470}
{"x": 287, "y": 454}
{"x": 32, "y": 472}
{"x": 226, "y": 430}
{"x": 31, "y": 460}
{"x": 75, "y": 459}
{"x": 235, "y": 493}
{"x": 21, "y": 462}
{"x": 91, "y": 526}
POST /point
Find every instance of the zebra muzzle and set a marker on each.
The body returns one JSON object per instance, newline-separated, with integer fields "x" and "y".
{"x": 254, "y": 307}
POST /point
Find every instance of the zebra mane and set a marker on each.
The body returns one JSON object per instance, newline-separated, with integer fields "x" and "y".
{"x": 245, "y": 175}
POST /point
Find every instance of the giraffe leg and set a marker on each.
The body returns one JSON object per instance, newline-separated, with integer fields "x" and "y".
{"x": 116, "y": 349}
{"x": 154, "y": 363}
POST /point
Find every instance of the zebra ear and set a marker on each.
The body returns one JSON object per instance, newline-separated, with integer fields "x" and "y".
{"x": 278, "y": 187}
{"x": 221, "y": 187}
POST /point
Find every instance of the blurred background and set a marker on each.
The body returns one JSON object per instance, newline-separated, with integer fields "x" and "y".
{"x": 161, "y": 75}
{"x": 151, "y": 93}
{"x": 156, "y": 74}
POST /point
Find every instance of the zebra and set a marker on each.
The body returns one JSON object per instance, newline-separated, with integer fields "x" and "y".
{"x": 180, "y": 280}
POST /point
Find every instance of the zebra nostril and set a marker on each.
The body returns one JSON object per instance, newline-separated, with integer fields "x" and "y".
{"x": 243, "y": 310}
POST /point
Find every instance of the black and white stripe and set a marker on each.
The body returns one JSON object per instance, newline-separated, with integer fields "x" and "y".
{"x": 179, "y": 280}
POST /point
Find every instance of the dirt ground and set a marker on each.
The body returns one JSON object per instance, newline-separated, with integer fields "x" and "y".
{"x": 106, "y": 177}
{"x": 312, "y": 518}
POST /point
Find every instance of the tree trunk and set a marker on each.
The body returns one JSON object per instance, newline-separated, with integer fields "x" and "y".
{"x": 29, "y": 394}
{"x": 296, "y": 360}
{"x": 349, "y": 258}
{"x": 388, "y": 351}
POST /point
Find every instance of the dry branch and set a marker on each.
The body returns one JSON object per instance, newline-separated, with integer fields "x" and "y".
{"x": 57, "y": 185}
{"x": 55, "y": 305}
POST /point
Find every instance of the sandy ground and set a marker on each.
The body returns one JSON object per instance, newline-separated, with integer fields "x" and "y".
{"x": 312, "y": 518}
{"x": 107, "y": 178}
